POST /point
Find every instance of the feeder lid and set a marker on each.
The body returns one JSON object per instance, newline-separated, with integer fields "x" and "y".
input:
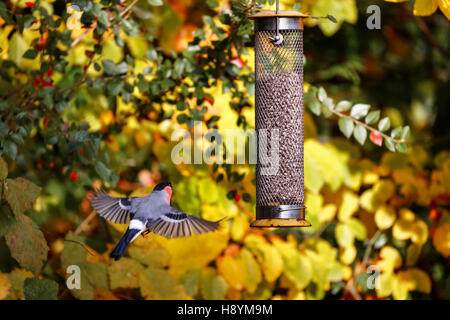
{"x": 281, "y": 13}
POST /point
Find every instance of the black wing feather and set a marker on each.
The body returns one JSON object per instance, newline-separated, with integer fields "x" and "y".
{"x": 176, "y": 224}
{"x": 116, "y": 210}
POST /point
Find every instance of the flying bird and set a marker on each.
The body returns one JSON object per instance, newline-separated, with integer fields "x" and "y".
{"x": 152, "y": 213}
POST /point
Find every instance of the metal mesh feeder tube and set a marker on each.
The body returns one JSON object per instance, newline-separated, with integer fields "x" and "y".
{"x": 279, "y": 119}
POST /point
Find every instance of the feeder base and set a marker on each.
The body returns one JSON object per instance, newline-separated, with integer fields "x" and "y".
{"x": 276, "y": 223}
{"x": 280, "y": 216}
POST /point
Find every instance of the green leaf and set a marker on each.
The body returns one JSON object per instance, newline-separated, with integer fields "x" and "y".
{"x": 212, "y": 3}
{"x": 103, "y": 18}
{"x": 328, "y": 102}
{"x": 314, "y": 106}
{"x": 213, "y": 287}
{"x": 360, "y": 134}
{"x": 346, "y": 126}
{"x": 401, "y": 147}
{"x": 21, "y": 194}
{"x": 6, "y": 219}
{"x": 322, "y": 94}
{"x": 158, "y": 284}
{"x": 125, "y": 273}
{"x": 359, "y": 110}
{"x": 155, "y": 2}
{"x": 396, "y": 132}
{"x": 10, "y": 149}
{"x": 40, "y": 289}
{"x": 191, "y": 281}
{"x": 384, "y": 124}
{"x": 27, "y": 243}
{"x": 151, "y": 54}
{"x": 3, "y": 169}
{"x": 405, "y": 133}
{"x": 114, "y": 69}
{"x": 373, "y": 117}
{"x": 389, "y": 144}
{"x": 343, "y": 105}
{"x": 30, "y": 54}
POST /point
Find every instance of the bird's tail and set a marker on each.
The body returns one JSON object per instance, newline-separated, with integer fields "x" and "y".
{"x": 124, "y": 241}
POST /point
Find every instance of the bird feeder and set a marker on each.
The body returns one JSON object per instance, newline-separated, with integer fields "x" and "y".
{"x": 280, "y": 195}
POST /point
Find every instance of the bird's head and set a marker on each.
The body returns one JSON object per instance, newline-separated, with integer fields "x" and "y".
{"x": 164, "y": 187}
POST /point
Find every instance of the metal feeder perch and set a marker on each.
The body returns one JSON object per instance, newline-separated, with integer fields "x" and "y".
{"x": 279, "y": 105}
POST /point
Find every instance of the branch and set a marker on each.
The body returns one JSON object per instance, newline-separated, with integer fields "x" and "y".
{"x": 342, "y": 115}
{"x": 426, "y": 31}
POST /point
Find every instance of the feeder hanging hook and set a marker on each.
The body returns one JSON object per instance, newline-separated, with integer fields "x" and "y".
{"x": 278, "y": 38}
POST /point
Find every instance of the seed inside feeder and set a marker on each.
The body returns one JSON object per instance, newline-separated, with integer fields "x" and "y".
{"x": 279, "y": 106}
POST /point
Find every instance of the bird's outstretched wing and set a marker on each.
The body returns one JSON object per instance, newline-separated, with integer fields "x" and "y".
{"x": 117, "y": 210}
{"x": 175, "y": 224}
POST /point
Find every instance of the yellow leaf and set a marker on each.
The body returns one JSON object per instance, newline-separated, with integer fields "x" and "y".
{"x": 382, "y": 190}
{"x": 348, "y": 254}
{"x": 349, "y": 205}
{"x": 420, "y": 232}
{"x": 358, "y": 228}
{"x": 385, "y": 217}
{"x": 232, "y": 271}
{"x": 193, "y": 252}
{"x": 386, "y": 284}
{"x": 251, "y": 270}
{"x": 327, "y": 213}
{"x": 17, "y": 47}
{"x": 401, "y": 285}
{"x": 297, "y": 266}
{"x": 444, "y": 5}
{"x": 390, "y": 259}
{"x": 441, "y": 239}
{"x": 344, "y": 235}
{"x": 425, "y": 7}
{"x": 403, "y": 227}
{"x": 420, "y": 279}
{"x": 267, "y": 255}
{"x": 5, "y": 286}
{"x": 239, "y": 227}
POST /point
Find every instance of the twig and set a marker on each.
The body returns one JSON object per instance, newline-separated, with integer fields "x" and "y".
{"x": 94, "y": 25}
{"x": 85, "y": 223}
{"x": 343, "y": 115}
{"x": 79, "y": 243}
{"x": 369, "y": 249}
{"x": 426, "y": 31}
{"x": 352, "y": 283}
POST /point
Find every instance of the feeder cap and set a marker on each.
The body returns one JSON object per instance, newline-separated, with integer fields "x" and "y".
{"x": 281, "y": 13}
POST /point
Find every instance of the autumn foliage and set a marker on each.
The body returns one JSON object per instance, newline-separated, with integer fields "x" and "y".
{"x": 91, "y": 92}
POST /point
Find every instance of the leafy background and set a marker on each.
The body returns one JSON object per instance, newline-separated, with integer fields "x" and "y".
{"x": 89, "y": 97}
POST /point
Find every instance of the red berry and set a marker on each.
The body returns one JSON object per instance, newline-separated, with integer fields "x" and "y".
{"x": 47, "y": 84}
{"x": 237, "y": 198}
{"x": 50, "y": 72}
{"x": 29, "y": 4}
{"x": 85, "y": 67}
{"x": 41, "y": 44}
{"x": 89, "y": 53}
{"x": 238, "y": 62}
{"x": 211, "y": 101}
{"x": 74, "y": 176}
{"x": 81, "y": 152}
